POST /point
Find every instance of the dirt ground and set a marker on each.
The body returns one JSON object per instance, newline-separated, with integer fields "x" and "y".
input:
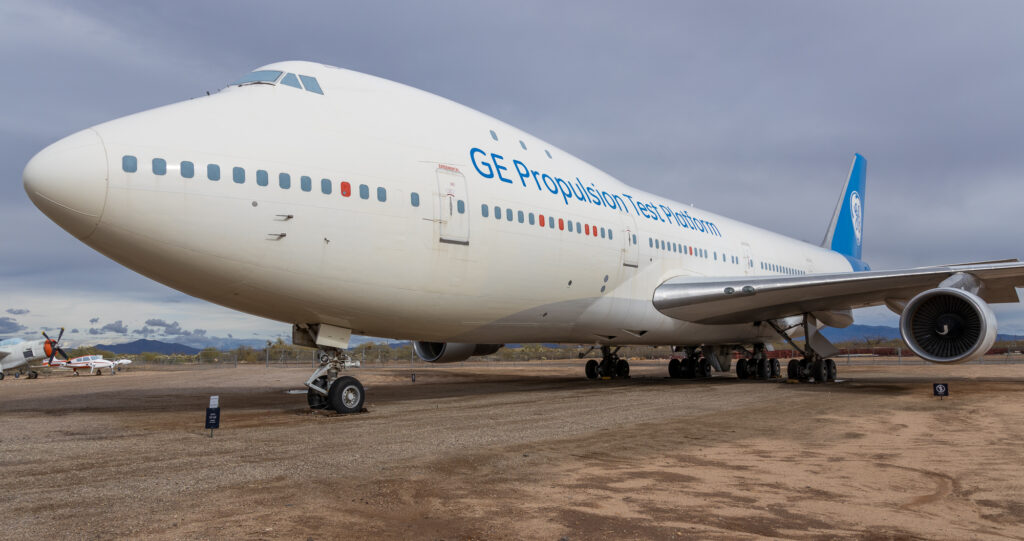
{"x": 490, "y": 452}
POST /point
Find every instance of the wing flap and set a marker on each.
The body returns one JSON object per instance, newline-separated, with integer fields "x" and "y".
{"x": 747, "y": 299}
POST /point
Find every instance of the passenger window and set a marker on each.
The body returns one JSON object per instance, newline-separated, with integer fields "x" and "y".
{"x": 541, "y": 218}
{"x": 159, "y": 166}
{"x": 602, "y": 232}
{"x": 551, "y": 222}
{"x": 484, "y": 210}
{"x": 650, "y": 242}
{"x": 569, "y": 222}
{"x": 561, "y": 224}
{"x": 284, "y": 180}
{"x": 129, "y": 164}
{"x": 414, "y": 198}
{"x": 578, "y": 228}
{"x": 311, "y": 84}
{"x": 461, "y": 206}
{"x": 522, "y": 217}
{"x": 548, "y": 153}
{"x": 494, "y": 135}
{"x": 382, "y": 196}
{"x": 522, "y": 144}
{"x": 346, "y": 188}
{"x": 238, "y": 175}
{"x": 587, "y": 229}
{"x": 325, "y": 186}
{"x": 262, "y": 178}
{"x": 497, "y": 212}
{"x": 213, "y": 171}
{"x": 187, "y": 170}
{"x": 306, "y": 183}
{"x": 508, "y": 214}
{"x": 531, "y": 218}
{"x": 291, "y": 80}
{"x": 364, "y": 191}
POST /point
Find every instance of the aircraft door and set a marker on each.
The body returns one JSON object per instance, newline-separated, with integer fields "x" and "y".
{"x": 748, "y": 267}
{"x": 451, "y": 208}
{"x": 630, "y": 244}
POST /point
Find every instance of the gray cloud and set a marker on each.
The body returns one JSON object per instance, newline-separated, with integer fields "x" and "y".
{"x": 94, "y": 320}
{"x": 74, "y": 331}
{"x": 173, "y": 329}
{"x": 117, "y": 327}
{"x": 17, "y": 311}
{"x": 8, "y": 325}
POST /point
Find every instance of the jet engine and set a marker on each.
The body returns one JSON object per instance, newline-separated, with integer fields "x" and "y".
{"x": 947, "y": 325}
{"x": 452, "y": 352}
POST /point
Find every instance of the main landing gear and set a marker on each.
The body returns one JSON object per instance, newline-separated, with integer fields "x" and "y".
{"x": 611, "y": 366}
{"x": 329, "y": 389}
{"x": 813, "y": 366}
{"x": 758, "y": 365}
{"x": 691, "y": 365}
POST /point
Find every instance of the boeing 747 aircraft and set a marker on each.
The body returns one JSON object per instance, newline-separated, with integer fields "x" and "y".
{"x": 343, "y": 203}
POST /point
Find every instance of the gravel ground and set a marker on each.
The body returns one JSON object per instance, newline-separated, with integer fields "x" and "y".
{"x": 488, "y": 452}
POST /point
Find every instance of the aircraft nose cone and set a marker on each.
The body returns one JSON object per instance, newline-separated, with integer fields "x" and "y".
{"x": 68, "y": 182}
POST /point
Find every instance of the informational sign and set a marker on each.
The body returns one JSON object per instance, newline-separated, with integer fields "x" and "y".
{"x": 940, "y": 390}
{"x": 213, "y": 414}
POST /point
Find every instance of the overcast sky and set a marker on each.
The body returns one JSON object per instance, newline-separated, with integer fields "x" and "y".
{"x": 749, "y": 109}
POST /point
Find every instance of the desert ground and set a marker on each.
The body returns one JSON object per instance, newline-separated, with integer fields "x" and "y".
{"x": 534, "y": 451}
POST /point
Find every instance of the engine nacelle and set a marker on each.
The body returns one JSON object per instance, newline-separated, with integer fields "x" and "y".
{"x": 947, "y": 325}
{"x": 452, "y": 352}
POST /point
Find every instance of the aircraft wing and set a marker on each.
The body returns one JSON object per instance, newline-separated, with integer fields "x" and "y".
{"x": 760, "y": 298}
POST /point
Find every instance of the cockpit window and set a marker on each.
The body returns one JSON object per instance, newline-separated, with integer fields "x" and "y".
{"x": 310, "y": 84}
{"x": 262, "y": 76}
{"x": 291, "y": 80}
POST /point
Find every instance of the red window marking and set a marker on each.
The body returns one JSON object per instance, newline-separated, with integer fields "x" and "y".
{"x": 691, "y": 250}
{"x": 561, "y": 224}
{"x": 593, "y": 230}
{"x": 346, "y": 189}
{"x": 542, "y": 220}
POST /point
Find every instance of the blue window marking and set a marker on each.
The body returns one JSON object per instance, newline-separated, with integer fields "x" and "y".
{"x": 364, "y": 191}
{"x": 579, "y": 228}
{"x": 129, "y": 164}
{"x": 414, "y": 198}
{"x": 650, "y": 242}
{"x": 602, "y": 232}
{"x": 325, "y": 186}
{"x": 213, "y": 171}
{"x": 548, "y": 153}
{"x": 494, "y": 135}
{"x": 262, "y": 178}
{"x": 568, "y": 224}
{"x": 306, "y": 183}
{"x": 497, "y": 212}
{"x": 311, "y": 84}
{"x": 531, "y": 218}
{"x": 382, "y": 196}
{"x": 159, "y": 166}
{"x": 238, "y": 175}
{"x": 262, "y": 76}
{"x": 461, "y": 206}
{"x": 484, "y": 210}
{"x": 551, "y": 222}
{"x": 291, "y": 80}
{"x": 508, "y": 214}
{"x": 522, "y": 144}
{"x": 187, "y": 169}
{"x": 284, "y": 180}
{"x": 522, "y": 217}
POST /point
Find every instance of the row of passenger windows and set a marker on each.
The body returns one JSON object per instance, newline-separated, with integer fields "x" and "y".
{"x": 549, "y": 222}
{"x": 186, "y": 169}
{"x": 677, "y": 248}
{"x": 772, "y": 267}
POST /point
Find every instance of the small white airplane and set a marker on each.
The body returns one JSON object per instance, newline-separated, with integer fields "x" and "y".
{"x": 343, "y": 203}
{"x": 95, "y": 363}
{"x": 16, "y": 353}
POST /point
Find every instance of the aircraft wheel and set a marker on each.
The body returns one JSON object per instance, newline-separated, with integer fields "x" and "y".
{"x": 622, "y": 369}
{"x": 741, "y": 369}
{"x": 805, "y": 370}
{"x": 675, "y": 368}
{"x": 830, "y": 366}
{"x": 316, "y": 400}
{"x": 591, "y": 369}
{"x": 775, "y": 369}
{"x": 793, "y": 369}
{"x": 33, "y": 374}
{"x": 2, "y": 376}
{"x": 703, "y": 368}
{"x": 99, "y": 371}
{"x": 819, "y": 371}
{"x": 689, "y": 368}
{"x": 764, "y": 368}
{"x": 346, "y": 395}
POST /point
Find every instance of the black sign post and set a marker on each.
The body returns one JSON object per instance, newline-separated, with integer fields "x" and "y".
{"x": 940, "y": 390}
{"x": 213, "y": 414}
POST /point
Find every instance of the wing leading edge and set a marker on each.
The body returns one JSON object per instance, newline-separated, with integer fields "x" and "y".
{"x": 761, "y": 298}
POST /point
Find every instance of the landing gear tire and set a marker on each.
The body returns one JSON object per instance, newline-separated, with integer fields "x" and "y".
{"x": 622, "y": 369}
{"x": 33, "y": 374}
{"x": 316, "y": 400}
{"x": 793, "y": 369}
{"x": 819, "y": 371}
{"x": 830, "y": 368}
{"x": 703, "y": 368}
{"x": 346, "y": 395}
{"x": 2, "y": 376}
{"x": 675, "y": 368}
{"x": 99, "y": 372}
{"x": 741, "y": 369}
{"x": 591, "y": 369}
{"x": 764, "y": 368}
{"x": 775, "y": 370}
{"x": 689, "y": 368}
{"x": 805, "y": 370}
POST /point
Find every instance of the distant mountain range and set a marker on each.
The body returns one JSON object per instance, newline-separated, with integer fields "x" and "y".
{"x": 147, "y": 346}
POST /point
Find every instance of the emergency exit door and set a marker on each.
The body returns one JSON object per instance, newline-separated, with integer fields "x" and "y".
{"x": 451, "y": 209}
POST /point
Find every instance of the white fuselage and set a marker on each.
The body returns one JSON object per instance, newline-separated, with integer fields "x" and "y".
{"x": 390, "y": 268}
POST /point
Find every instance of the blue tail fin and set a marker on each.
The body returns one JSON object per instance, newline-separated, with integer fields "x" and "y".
{"x": 846, "y": 230}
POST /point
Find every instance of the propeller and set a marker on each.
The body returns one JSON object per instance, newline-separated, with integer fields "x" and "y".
{"x": 52, "y": 347}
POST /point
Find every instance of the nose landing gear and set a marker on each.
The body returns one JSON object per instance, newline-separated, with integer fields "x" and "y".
{"x": 328, "y": 389}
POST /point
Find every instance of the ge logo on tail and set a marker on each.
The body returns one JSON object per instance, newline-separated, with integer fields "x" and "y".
{"x": 856, "y": 215}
